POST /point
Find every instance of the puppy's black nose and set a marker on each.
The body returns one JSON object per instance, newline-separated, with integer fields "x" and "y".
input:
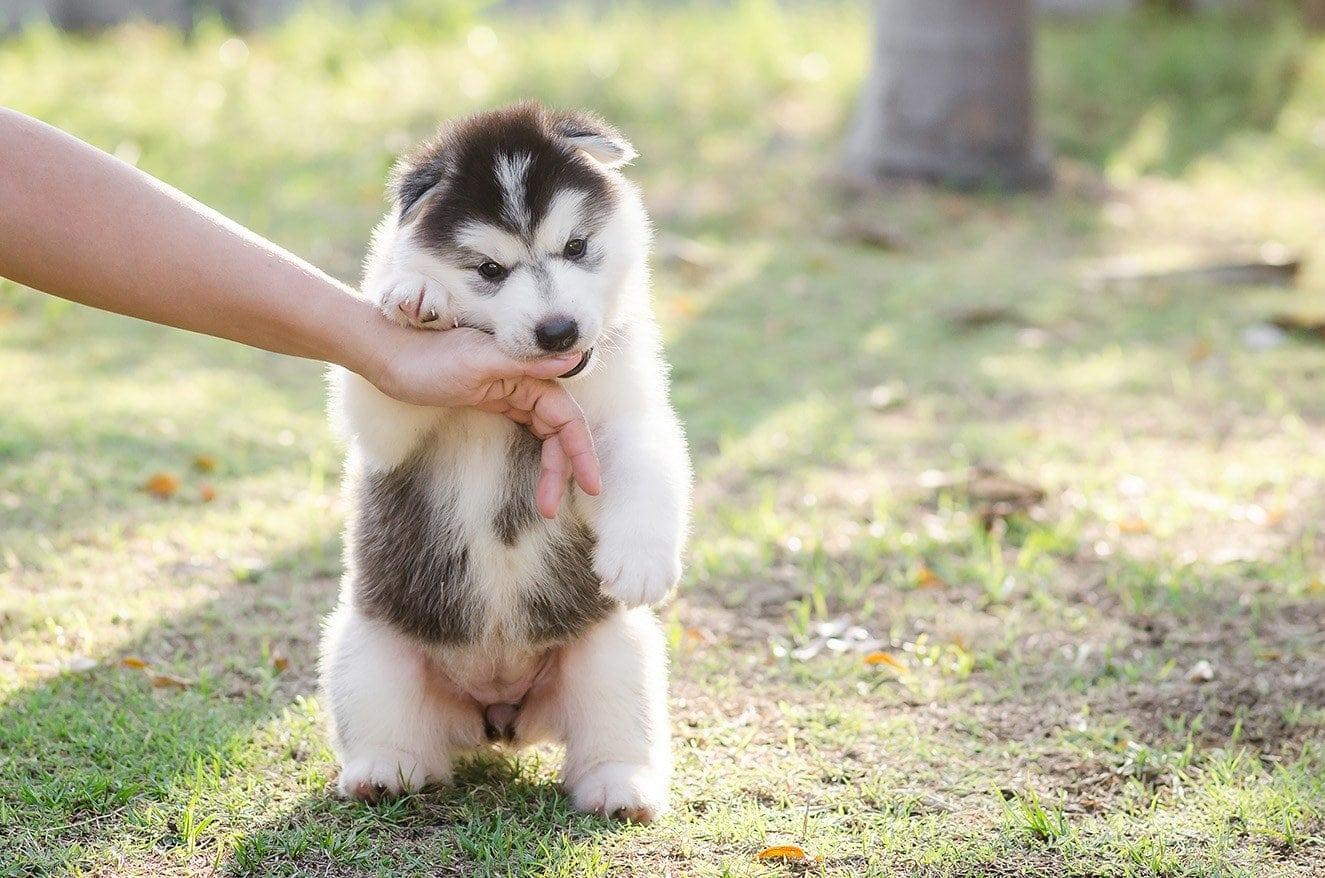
{"x": 557, "y": 334}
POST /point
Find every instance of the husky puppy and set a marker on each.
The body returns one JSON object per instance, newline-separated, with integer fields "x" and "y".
{"x": 465, "y": 618}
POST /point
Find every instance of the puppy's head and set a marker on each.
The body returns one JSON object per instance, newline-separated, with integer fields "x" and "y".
{"x": 522, "y": 214}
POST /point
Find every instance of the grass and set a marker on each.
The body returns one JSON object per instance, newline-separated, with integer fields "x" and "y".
{"x": 1038, "y": 713}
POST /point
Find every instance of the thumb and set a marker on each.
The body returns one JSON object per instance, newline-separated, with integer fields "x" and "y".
{"x": 551, "y": 367}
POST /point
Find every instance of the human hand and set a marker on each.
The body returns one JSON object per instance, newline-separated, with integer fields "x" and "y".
{"x": 463, "y": 367}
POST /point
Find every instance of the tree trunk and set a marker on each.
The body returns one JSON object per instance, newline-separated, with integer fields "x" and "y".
{"x": 950, "y": 96}
{"x": 1313, "y": 15}
{"x": 1170, "y": 7}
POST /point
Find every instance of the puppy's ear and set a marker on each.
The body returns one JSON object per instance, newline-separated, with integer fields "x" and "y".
{"x": 414, "y": 178}
{"x": 596, "y": 139}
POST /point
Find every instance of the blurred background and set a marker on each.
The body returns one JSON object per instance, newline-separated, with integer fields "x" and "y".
{"x": 998, "y": 332}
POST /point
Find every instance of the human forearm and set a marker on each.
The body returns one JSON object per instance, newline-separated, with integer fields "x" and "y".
{"x": 79, "y": 224}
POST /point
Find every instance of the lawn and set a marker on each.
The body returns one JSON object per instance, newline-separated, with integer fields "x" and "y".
{"x": 1123, "y": 676}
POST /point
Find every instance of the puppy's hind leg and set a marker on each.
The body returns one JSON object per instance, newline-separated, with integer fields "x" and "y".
{"x": 390, "y": 729}
{"x": 613, "y": 712}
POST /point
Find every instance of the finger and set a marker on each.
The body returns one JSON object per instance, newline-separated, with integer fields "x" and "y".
{"x": 492, "y": 364}
{"x": 575, "y": 443}
{"x": 552, "y": 479}
{"x": 551, "y": 367}
{"x": 556, "y": 413}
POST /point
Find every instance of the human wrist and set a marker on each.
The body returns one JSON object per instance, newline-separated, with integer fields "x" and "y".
{"x": 362, "y": 343}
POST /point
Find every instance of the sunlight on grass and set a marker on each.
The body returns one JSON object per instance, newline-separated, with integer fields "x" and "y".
{"x": 837, "y": 400}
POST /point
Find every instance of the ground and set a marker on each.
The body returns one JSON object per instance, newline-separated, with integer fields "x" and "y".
{"x": 1125, "y": 676}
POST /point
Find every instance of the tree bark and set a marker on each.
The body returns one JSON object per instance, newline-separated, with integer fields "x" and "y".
{"x": 1171, "y": 7}
{"x": 1313, "y": 15}
{"x": 950, "y": 96}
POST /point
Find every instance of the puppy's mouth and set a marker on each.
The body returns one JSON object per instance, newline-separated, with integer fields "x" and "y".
{"x": 575, "y": 370}
{"x": 580, "y": 366}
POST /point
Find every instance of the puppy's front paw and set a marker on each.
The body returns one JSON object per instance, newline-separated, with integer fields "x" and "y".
{"x": 380, "y": 775}
{"x": 637, "y": 572}
{"x": 411, "y": 299}
{"x": 622, "y": 791}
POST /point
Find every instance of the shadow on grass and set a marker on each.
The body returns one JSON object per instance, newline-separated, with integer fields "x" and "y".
{"x": 500, "y": 817}
{"x": 98, "y": 764}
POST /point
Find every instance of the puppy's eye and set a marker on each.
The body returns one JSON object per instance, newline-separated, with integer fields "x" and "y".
{"x": 491, "y": 270}
{"x": 575, "y": 248}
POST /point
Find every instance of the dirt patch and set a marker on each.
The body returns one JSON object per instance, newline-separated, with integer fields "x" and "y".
{"x": 1268, "y": 706}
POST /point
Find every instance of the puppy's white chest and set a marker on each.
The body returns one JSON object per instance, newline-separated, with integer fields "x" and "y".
{"x": 448, "y": 546}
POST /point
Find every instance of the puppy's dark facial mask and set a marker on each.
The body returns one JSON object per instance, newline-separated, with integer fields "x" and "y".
{"x": 504, "y": 169}
{"x": 521, "y": 214}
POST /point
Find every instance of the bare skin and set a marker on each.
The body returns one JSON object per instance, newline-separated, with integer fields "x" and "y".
{"x": 79, "y": 224}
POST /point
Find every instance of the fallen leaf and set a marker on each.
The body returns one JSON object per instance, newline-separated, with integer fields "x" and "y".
{"x": 162, "y": 485}
{"x": 926, "y": 578}
{"x": 699, "y": 635}
{"x": 204, "y": 463}
{"x": 790, "y": 852}
{"x": 1133, "y": 526}
{"x": 170, "y": 681}
{"x": 207, "y": 493}
{"x": 132, "y": 661}
{"x": 879, "y": 657}
{"x": 685, "y": 306}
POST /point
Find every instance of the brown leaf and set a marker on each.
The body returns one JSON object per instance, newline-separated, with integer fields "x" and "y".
{"x": 1200, "y": 350}
{"x": 207, "y": 493}
{"x": 162, "y": 485}
{"x": 926, "y": 578}
{"x": 279, "y": 662}
{"x": 789, "y": 852}
{"x": 133, "y": 661}
{"x": 887, "y": 659}
{"x": 170, "y": 681}
{"x": 1133, "y": 526}
{"x": 204, "y": 463}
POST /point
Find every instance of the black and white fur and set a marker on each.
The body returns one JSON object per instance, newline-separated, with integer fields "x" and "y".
{"x": 465, "y": 617}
